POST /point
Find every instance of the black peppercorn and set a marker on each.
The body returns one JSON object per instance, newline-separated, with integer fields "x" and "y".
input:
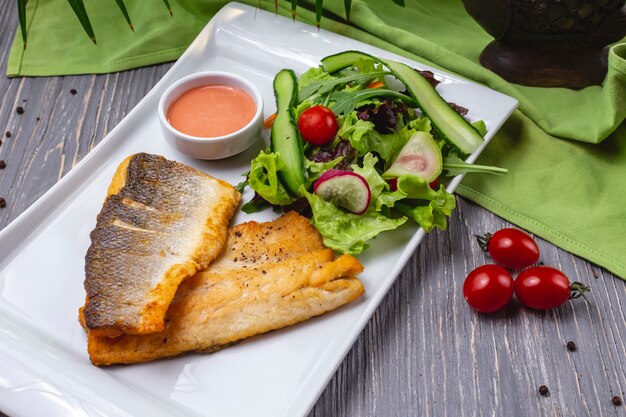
{"x": 543, "y": 390}
{"x": 73, "y": 91}
{"x": 3, "y": 164}
{"x": 19, "y": 110}
{"x": 617, "y": 401}
{"x": 3, "y": 203}
{"x": 571, "y": 346}
{"x": 7, "y": 134}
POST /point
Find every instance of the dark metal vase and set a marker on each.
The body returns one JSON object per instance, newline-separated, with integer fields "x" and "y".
{"x": 549, "y": 43}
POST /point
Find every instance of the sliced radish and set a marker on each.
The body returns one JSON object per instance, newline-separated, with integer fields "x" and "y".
{"x": 346, "y": 189}
{"x": 420, "y": 156}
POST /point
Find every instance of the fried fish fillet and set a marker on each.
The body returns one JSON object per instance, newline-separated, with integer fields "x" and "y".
{"x": 160, "y": 223}
{"x": 270, "y": 275}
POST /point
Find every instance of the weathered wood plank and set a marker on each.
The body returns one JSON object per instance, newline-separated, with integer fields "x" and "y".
{"x": 424, "y": 353}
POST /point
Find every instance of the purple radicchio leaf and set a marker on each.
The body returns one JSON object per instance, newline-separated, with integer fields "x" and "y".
{"x": 430, "y": 77}
{"x": 342, "y": 149}
{"x": 459, "y": 109}
{"x": 384, "y": 116}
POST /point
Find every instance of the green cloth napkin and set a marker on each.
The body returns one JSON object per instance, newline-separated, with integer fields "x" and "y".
{"x": 566, "y": 191}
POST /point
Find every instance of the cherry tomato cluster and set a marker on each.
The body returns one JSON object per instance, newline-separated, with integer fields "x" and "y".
{"x": 488, "y": 288}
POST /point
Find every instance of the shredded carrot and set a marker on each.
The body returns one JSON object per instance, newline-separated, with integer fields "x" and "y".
{"x": 375, "y": 84}
{"x": 269, "y": 122}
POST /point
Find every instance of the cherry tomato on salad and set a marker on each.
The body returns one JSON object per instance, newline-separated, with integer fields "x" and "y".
{"x": 488, "y": 288}
{"x": 510, "y": 248}
{"x": 318, "y": 125}
{"x": 544, "y": 287}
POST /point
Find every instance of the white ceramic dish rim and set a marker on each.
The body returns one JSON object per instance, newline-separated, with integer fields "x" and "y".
{"x": 22, "y": 343}
{"x": 167, "y": 96}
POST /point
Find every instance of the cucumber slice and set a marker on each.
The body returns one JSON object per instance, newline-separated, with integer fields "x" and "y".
{"x": 447, "y": 121}
{"x": 285, "y": 138}
{"x": 334, "y": 63}
{"x": 420, "y": 157}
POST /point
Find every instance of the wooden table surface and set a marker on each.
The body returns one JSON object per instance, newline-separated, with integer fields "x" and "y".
{"x": 424, "y": 352}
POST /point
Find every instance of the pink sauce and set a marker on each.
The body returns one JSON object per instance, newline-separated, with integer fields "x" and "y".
{"x": 211, "y": 110}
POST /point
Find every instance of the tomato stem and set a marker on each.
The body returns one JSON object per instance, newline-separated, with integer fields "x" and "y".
{"x": 577, "y": 290}
{"x": 483, "y": 241}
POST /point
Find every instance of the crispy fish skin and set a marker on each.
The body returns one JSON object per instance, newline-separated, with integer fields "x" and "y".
{"x": 285, "y": 277}
{"x": 160, "y": 223}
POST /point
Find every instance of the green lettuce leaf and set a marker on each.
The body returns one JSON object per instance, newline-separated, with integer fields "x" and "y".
{"x": 364, "y": 138}
{"x": 316, "y": 169}
{"x": 480, "y": 126}
{"x": 353, "y": 129}
{"x": 430, "y": 216}
{"x": 367, "y": 65}
{"x": 420, "y": 124}
{"x": 416, "y": 188}
{"x": 313, "y": 75}
{"x": 388, "y": 199}
{"x": 347, "y": 232}
{"x": 368, "y": 171}
{"x": 440, "y": 202}
{"x": 263, "y": 178}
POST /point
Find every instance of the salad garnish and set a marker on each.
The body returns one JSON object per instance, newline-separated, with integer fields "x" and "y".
{"x": 366, "y": 145}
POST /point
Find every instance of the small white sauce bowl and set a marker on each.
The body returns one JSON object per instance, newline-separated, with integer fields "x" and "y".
{"x": 217, "y": 147}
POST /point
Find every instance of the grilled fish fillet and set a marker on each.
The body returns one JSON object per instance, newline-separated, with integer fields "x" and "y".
{"x": 160, "y": 223}
{"x": 270, "y": 275}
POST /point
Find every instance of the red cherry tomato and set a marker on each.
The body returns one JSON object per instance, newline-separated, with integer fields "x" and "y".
{"x": 510, "y": 248}
{"x": 542, "y": 287}
{"x": 488, "y": 288}
{"x": 318, "y": 125}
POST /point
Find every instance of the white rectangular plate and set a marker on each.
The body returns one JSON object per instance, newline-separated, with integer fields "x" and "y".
{"x": 44, "y": 367}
